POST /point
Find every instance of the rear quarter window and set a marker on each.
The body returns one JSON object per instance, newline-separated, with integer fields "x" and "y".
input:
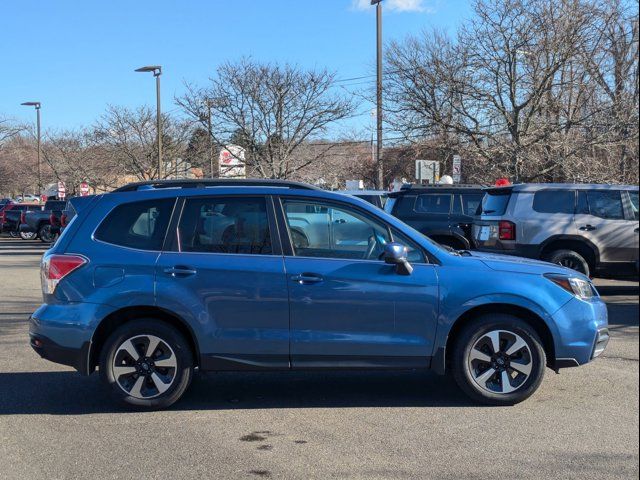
{"x": 495, "y": 203}
{"x": 554, "y": 201}
{"x": 139, "y": 225}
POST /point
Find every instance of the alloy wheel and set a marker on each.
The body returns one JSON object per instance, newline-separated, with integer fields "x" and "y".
{"x": 500, "y": 361}
{"x": 144, "y": 366}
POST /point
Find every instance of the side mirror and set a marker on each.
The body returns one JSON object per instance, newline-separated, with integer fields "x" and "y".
{"x": 396, "y": 254}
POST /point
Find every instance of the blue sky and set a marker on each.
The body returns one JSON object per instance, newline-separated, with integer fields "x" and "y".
{"x": 77, "y": 57}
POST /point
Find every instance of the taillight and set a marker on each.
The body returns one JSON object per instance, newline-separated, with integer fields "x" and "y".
{"x": 55, "y": 267}
{"x": 63, "y": 220}
{"x": 2, "y": 217}
{"x": 507, "y": 230}
{"x": 53, "y": 220}
{"x": 23, "y": 217}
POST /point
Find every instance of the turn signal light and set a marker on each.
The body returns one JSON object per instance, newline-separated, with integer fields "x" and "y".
{"x": 55, "y": 267}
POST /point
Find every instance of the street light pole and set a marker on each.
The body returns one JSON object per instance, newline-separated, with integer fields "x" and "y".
{"x": 157, "y": 71}
{"x": 379, "y": 164}
{"x": 37, "y": 107}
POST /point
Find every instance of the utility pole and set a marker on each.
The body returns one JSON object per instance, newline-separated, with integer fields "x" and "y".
{"x": 209, "y": 136}
{"x": 379, "y": 164}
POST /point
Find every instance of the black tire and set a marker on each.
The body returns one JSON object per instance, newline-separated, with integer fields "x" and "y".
{"x": 183, "y": 372}
{"x": 477, "y": 330}
{"x": 45, "y": 235}
{"x": 13, "y": 234}
{"x": 570, "y": 259}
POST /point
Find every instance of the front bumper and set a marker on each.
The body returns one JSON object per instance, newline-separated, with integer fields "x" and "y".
{"x": 582, "y": 332}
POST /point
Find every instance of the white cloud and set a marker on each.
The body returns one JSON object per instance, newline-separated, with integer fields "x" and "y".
{"x": 393, "y": 5}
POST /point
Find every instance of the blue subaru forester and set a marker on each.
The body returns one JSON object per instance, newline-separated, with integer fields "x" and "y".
{"x": 157, "y": 279}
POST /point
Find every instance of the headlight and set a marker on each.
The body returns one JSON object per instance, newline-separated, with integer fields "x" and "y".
{"x": 576, "y": 286}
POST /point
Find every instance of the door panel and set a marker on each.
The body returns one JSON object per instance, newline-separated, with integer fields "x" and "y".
{"x": 239, "y": 304}
{"x": 600, "y": 218}
{"x": 361, "y": 313}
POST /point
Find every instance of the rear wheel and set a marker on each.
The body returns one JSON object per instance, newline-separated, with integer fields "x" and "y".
{"x": 570, "y": 259}
{"x": 13, "y": 234}
{"x": 498, "y": 360}
{"x": 28, "y": 235}
{"x": 147, "y": 364}
{"x": 45, "y": 234}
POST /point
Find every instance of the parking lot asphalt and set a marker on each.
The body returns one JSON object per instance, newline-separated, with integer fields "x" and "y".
{"x": 55, "y": 424}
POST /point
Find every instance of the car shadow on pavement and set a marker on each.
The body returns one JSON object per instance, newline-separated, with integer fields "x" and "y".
{"x": 68, "y": 393}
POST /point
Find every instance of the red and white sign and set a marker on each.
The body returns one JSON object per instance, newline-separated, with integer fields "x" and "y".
{"x": 84, "y": 189}
{"x": 232, "y": 162}
{"x": 62, "y": 191}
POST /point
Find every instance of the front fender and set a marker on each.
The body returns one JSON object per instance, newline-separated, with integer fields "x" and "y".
{"x": 451, "y": 315}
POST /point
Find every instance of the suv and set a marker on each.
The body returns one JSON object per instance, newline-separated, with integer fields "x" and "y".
{"x": 374, "y": 197}
{"x": 590, "y": 228}
{"x": 154, "y": 280}
{"x": 443, "y": 213}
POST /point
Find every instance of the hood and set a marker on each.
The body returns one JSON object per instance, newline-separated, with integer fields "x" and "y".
{"x": 508, "y": 263}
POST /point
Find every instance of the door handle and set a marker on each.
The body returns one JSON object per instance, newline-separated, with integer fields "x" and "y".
{"x": 307, "y": 278}
{"x": 179, "y": 271}
{"x": 587, "y": 228}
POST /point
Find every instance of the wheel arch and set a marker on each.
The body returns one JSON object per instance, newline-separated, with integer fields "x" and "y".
{"x": 442, "y": 359}
{"x": 580, "y": 245}
{"x": 120, "y": 317}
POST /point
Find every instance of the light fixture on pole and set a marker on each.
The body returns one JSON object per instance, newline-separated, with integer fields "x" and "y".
{"x": 37, "y": 107}
{"x": 379, "y": 165}
{"x": 157, "y": 71}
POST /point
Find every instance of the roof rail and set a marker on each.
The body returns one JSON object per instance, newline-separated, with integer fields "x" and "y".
{"x": 411, "y": 186}
{"x": 214, "y": 182}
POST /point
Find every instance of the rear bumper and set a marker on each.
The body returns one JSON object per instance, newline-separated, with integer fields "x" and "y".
{"x": 50, "y": 350}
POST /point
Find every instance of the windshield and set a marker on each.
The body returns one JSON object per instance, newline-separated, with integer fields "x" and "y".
{"x": 494, "y": 203}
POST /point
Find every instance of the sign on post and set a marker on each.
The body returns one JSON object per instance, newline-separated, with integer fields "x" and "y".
{"x": 62, "y": 191}
{"x": 84, "y": 189}
{"x": 427, "y": 171}
{"x": 457, "y": 169}
{"x": 232, "y": 162}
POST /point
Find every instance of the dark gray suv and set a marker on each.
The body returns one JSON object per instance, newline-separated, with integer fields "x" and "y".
{"x": 590, "y": 228}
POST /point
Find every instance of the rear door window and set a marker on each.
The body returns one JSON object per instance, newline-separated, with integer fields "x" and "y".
{"x": 232, "y": 225}
{"x": 554, "y": 201}
{"x": 605, "y": 204}
{"x": 139, "y": 225}
{"x": 434, "y": 203}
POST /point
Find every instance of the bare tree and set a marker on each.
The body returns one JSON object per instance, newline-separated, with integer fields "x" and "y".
{"x": 273, "y": 109}
{"x": 532, "y": 89}
{"x": 124, "y": 142}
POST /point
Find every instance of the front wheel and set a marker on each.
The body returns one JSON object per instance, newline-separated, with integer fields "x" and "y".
{"x": 147, "y": 364}
{"x": 498, "y": 360}
{"x": 13, "y": 234}
{"x": 28, "y": 235}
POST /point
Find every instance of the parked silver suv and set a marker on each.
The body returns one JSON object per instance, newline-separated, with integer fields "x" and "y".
{"x": 590, "y": 228}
